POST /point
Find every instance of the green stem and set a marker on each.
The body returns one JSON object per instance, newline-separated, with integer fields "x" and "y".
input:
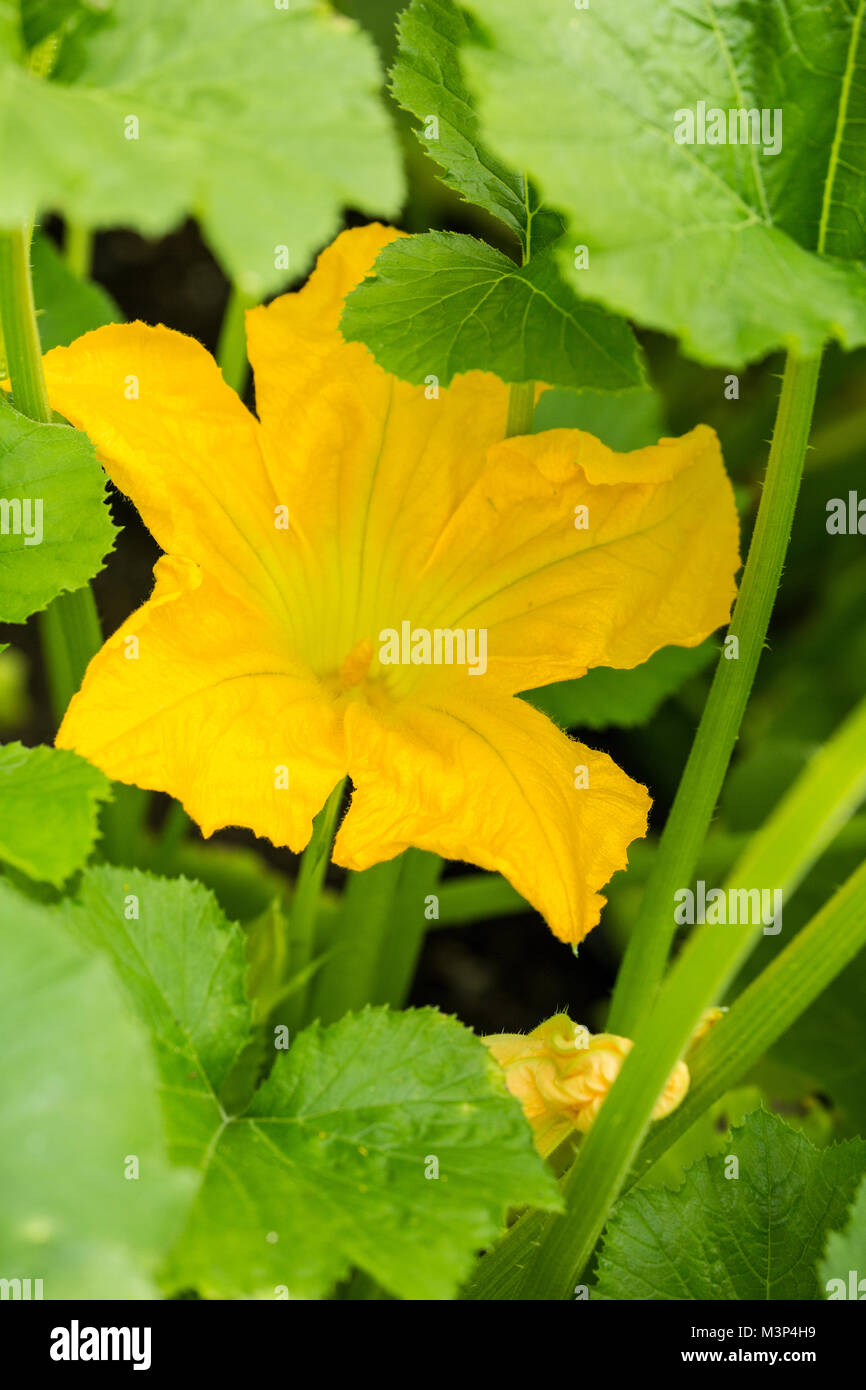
{"x": 406, "y": 927}
{"x": 78, "y": 249}
{"x": 308, "y": 888}
{"x": 70, "y": 633}
{"x": 21, "y": 337}
{"x": 231, "y": 353}
{"x": 70, "y": 626}
{"x": 767, "y": 1009}
{"x": 348, "y": 979}
{"x": 698, "y": 792}
{"x": 521, "y": 408}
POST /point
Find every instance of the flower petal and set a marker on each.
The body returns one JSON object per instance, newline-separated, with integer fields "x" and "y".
{"x": 492, "y": 781}
{"x": 370, "y": 467}
{"x": 206, "y": 705}
{"x": 654, "y": 564}
{"x": 177, "y": 440}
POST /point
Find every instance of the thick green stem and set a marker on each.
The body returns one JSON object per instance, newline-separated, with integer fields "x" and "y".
{"x": 406, "y": 927}
{"x": 70, "y": 633}
{"x": 20, "y": 334}
{"x": 308, "y": 888}
{"x": 348, "y": 979}
{"x": 231, "y": 353}
{"x": 698, "y": 792}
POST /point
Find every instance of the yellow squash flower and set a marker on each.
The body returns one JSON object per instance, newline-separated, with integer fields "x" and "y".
{"x": 309, "y": 550}
{"x": 561, "y": 1075}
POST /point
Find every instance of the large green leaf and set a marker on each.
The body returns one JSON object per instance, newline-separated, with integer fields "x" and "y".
{"x": 334, "y": 1164}
{"x": 754, "y": 1231}
{"x": 605, "y": 697}
{"x": 48, "y": 810}
{"x": 263, "y": 121}
{"x": 55, "y": 529}
{"x": 326, "y": 1168}
{"x": 735, "y": 251}
{"x": 78, "y": 1103}
{"x": 444, "y": 303}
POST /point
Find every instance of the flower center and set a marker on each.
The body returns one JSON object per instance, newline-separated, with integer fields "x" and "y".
{"x": 357, "y": 664}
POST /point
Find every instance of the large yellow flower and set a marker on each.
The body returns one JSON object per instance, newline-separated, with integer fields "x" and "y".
{"x": 256, "y": 683}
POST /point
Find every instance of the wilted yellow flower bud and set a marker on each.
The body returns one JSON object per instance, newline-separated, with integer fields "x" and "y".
{"x": 561, "y": 1073}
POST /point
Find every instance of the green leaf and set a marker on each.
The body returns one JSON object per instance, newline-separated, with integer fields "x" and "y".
{"x": 326, "y": 1169}
{"x": 48, "y": 810}
{"x": 757, "y": 1235}
{"x": 735, "y": 251}
{"x": 67, "y": 306}
{"x": 605, "y": 697}
{"x": 846, "y": 1252}
{"x": 183, "y": 966}
{"x": 54, "y": 526}
{"x": 79, "y": 1099}
{"x": 330, "y": 1156}
{"x": 444, "y": 303}
{"x": 427, "y": 81}
{"x": 264, "y": 122}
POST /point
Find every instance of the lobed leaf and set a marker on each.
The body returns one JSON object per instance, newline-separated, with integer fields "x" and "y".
{"x": 444, "y": 303}
{"x": 754, "y": 1231}
{"x": 326, "y": 1167}
{"x": 333, "y": 1163}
